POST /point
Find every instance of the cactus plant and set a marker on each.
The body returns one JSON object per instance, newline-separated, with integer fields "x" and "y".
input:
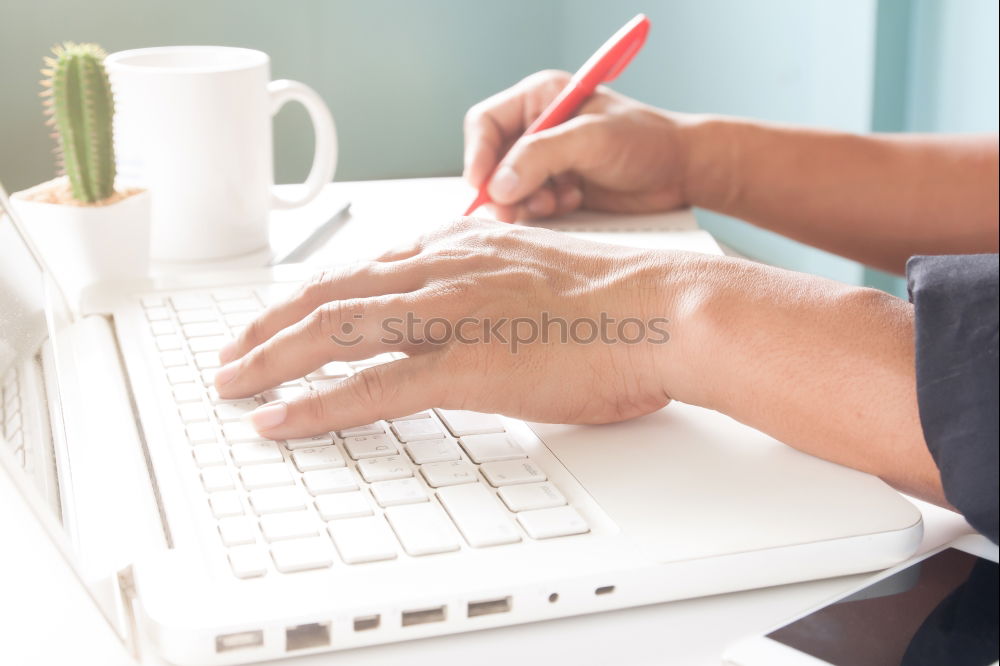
{"x": 80, "y": 107}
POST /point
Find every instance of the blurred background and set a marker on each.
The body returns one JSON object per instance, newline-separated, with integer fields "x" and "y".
{"x": 400, "y": 74}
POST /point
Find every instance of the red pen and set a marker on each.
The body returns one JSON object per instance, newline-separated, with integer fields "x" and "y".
{"x": 603, "y": 66}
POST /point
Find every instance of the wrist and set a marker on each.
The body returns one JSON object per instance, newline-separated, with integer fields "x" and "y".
{"x": 693, "y": 290}
{"x": 711, "y": 150}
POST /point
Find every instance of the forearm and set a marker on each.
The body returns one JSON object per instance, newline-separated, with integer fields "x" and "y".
{"x": 823, "y": 367}
{"x": 876, "y": 199}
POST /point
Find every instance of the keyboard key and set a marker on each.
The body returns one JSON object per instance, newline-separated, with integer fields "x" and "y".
{"x": 190, "y": 301}
{"x": 343, "y": 505}
{"x": 193, "y": 412}
{"x": 211, "y": 343}
{"x": 157, "y": 314}
{"x": 235, "y": 410}
{"x": 398, "y": 491}
{"x": 248, "y": 561}
{"x": 173, "y": 359}
{"x": 383, "y": 469}
{"x": 417, "y": 429}
{"x": 231, "y": 306}
{"x": 165, "y": 327}
{"x": 166, "y": 343}
{"x": 237, "y": 531}
{"x": 379, "y": 359}
{"x": 333, "y": 370}
{"x": 255, "y": 453}
{"x": 461, "y": 422}
{"x": 275, "y": 500}
{"x": 449, "y": 473}
{"x": 492, "y": 447}
{"x": 409, "y": 417}
{"x": 181, "y": 375}
{"x": 434, "y": 450}
{"x": 325, "y": 439}
{"x": 239, "y": 319}
{"x": 363, "y": 540}
{"x": 202, "y": 329}
{"x": 478, "y": 514}
{"x": 188, "y": 393}
{"x": 268, "y": 475}
{"x": 232, "y": 293}
{"x": 240, "y": 431}
{"x": 512, "y": 471}
{"x": 286, "y": 393}
{"x": 325, "y": 384}
{"x": 528, "y": 496}
{"x": 206, "y": 360}
{"x": 423, "y": 529}
{"x": 226, "y": 503}
{"x": 336, "y": 480}
{"x": 207, "y": 377}
{"x": 357, "y": 431}
{"x": 369, "y": 446}
{"x": 153, "y": 301}
{"x": 321, "y": 458}
{"x": 288, "y": 525}
{"x": 302, "y": 554}
{"x": 208, "y": 455}
{"x": 216, "y": 478}
{"x": 548, "y": 523}
{"x": 201, "y": 433}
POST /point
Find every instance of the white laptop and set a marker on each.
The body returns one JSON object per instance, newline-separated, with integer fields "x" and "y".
{"x": 221, "y": 548}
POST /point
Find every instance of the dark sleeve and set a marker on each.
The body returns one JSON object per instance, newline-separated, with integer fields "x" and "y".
{"x": 955, "y": 304}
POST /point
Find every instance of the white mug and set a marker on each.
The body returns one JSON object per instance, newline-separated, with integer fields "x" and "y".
{"x": 193, "y": 125}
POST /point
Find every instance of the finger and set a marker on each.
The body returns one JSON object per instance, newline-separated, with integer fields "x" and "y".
{"x": 335, "y": 331}
{"x": 493, "y": 124}
{"x": 542, "y": 203}
{"x": 537, "y": 157}
{"x": 383, "y": 391}
{"x": 342, "y": 283}
{"x": 506, "y": 213}
{"x": 568, "y": 193}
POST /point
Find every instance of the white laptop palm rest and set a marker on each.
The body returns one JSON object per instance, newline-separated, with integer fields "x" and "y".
{"x": 223, "y": 548}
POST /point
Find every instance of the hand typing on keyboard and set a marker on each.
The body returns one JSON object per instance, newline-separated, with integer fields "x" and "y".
{"x": 492, "y": 318}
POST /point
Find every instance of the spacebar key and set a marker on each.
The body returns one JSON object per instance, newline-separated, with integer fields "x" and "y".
{"x": 478, "y": 514}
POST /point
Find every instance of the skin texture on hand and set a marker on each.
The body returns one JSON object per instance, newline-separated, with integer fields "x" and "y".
{"x": 504, "y": 283}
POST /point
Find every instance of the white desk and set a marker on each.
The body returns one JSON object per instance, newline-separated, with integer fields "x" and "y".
{"x": 46, "y": 617}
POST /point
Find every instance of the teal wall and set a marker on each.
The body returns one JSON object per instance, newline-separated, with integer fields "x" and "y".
{"x": 399, "y": 74}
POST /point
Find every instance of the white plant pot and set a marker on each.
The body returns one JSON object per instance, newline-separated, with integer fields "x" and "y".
{"x": 83, "y": 245}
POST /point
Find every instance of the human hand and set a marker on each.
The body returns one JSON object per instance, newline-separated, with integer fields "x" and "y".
{"x": 615, "y": 155}
{"x": 504, "y": 283}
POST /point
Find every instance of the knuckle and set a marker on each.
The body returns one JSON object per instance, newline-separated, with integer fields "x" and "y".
{"x": 326, "y": 320}
{"x": 316, "y": 407}
{"x": 548, "y": 78}
{"x": 370, "y": 387}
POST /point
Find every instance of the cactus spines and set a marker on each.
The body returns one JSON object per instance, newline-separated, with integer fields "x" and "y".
{"x": 78, "y": 101}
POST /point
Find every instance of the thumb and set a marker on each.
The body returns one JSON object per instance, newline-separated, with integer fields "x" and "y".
{"x": 537, "y": 157}
{"x": 383, "y": 391}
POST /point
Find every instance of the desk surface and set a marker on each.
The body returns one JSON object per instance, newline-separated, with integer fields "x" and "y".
{"x": 47, "y": 618}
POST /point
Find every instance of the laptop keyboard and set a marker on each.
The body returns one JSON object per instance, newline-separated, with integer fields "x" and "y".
{"x": 428, "y": 483}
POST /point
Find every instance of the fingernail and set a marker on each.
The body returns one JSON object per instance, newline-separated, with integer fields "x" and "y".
{"x": 228, "y": 352}
{"x": 504, "y": 183}
{"x": 225, "y": 374}
{"x": 269, "y": 415}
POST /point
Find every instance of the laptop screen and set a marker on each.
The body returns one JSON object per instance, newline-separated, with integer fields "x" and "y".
{"x": 26, "y": 357}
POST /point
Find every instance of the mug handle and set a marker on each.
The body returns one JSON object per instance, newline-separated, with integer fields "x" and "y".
{"x": 325, "y": 156}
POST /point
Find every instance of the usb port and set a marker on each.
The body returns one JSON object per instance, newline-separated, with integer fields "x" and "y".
{"x": 366, "y": 622}
{"x": 306, "y": 636}
{"x": 489, "y": 607}
{"x": 238, "y": 641}
{"x": 423, "y": 616}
